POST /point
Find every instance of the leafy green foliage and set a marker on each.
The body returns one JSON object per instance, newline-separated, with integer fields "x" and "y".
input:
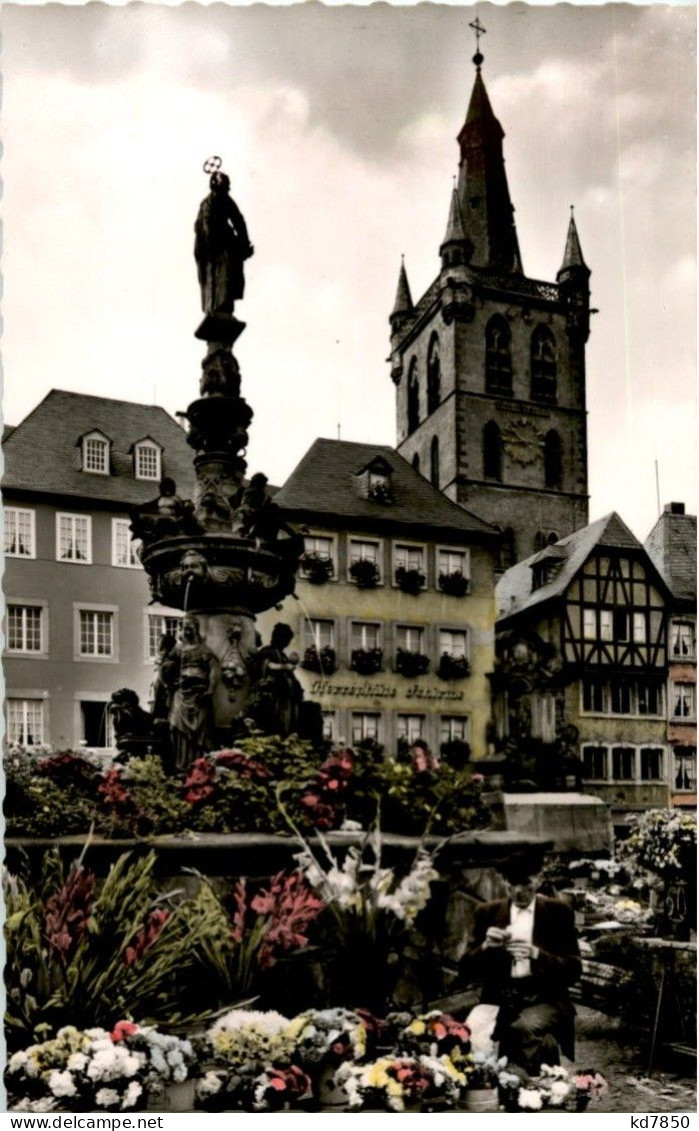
{"x": 141, "y": 799}
{"x": 96, "y": 969}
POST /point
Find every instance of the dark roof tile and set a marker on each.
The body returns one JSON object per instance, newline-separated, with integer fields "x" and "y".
{"x": 41, "y": 453}
{"x": 325, "y": 483}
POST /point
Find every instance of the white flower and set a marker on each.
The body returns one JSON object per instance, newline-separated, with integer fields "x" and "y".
{"x": 269, "y": 1023}
{"x": 17, "y": 1062}
{"x": 62, "y": 1084}
{"x": 77, "y": 1062}
{"x": 558, "y": 1093}
{"x": 530, "y": 1099}
{"x": 107, "y": 1097}
{"x": 131, "y": 1095}
{"x": 209, "y": 1085}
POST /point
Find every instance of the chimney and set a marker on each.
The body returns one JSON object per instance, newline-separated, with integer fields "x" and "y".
{"x": 674, "y": 508}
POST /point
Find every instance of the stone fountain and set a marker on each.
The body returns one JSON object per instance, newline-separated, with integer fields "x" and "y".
{"x": 223, "y": 556}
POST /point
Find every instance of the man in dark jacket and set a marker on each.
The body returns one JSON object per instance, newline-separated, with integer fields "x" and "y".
{"x": 525, "y": 954}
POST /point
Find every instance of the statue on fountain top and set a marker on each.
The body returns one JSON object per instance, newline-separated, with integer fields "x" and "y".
{"x": 221, "y": 245}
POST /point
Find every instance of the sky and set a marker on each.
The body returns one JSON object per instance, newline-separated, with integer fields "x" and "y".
{"x": 337, "y": 127}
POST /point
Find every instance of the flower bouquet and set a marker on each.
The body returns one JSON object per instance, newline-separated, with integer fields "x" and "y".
{"x": 328, "y": 1038}
{"x": 241, "y": 1047}
{"x": 554, "y": 1089}
{"x": 371, "y": 908}
{"x": 437, "y": 1034}
{"x": 91, "y": 1069}
{"x": 402, "y": 1083}
{"x": 277, "y": 1089}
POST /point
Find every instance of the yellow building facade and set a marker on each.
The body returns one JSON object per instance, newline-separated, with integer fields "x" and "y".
{"x": 394, "y": 611}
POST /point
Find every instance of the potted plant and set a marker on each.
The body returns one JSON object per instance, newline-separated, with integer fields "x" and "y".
{"x": 454, "y": 584}
{"x": 411, "y": 664}
{"x": 95, "y": 1069}
{"x": 238, "y": 1050}
{"x": 403, "y": 1083}
{"x": 321, "y": 660}
{"x": 456, "y": 752}
{"x": 367, "y": 661}
{"x": 365, "y": 573}
{"x": 380, "y": 493}
{"x": 453, "y": 667}
{"x": 410, "y": 580}
{"x": 317, "y": 568}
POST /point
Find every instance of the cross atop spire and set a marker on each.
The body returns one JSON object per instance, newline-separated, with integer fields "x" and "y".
{"x": 479, "y": 30}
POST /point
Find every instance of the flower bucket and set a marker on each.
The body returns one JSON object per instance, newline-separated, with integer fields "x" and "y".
{"x": 174, "y": 1097}
{"x": 330, "y": 1096}
{"x": 480, "y": 1099}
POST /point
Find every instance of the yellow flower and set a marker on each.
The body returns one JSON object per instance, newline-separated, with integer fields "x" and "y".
{"x": 393, "y": 1088}
{"x": 417, "y": 1027}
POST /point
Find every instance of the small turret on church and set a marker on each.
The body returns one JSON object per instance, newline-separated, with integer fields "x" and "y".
{"x": 489, "y": 365}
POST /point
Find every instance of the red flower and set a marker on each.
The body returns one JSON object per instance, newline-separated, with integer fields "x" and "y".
{"x": 246, "y": 767}
{"x": 285, "y": 1083}
{"x": 240, "y": 907}
{"x": 115, "y": 795}
{"x": 67, "y": 913}
{"x": 290, "y": 906}
{"x": 143, "y": 941}
{"x": 199, "y": 782}
{"x": 123, "y": 1029}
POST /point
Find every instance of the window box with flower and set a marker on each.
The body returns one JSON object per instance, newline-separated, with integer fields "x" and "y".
{"x": 380, "y": 492}
{"x": 411, "y": 664}
{"x": 317, "y": 568}
{"x": 453, "y": 667}
{"x": 454, "y": 584}
{"x": 321, "y": 660}
{"x": 367, "y": 661}
{"x": 410, "y": 580}
{"x": 365, "y": 573}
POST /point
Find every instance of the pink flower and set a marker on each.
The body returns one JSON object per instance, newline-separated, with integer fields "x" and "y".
{"x": 155, "y": 921}
{"x": 123, "y": 1029}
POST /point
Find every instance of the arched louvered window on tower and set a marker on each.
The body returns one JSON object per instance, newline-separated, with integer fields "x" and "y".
{"x": 492, "y": 451}
{"x": 413, "y": 397}
{"x": 416, "y": 461}
{"x": 553, "y": 459}
{"x": 434, "y": 462}
{"x": 498, "y": 356}
{"x": 543, "y": 364}
{"x": 434, "y": 376}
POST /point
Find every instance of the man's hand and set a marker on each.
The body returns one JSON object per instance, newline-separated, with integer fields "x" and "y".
{"x": 520, "y": 950}
{"x": 496, "y": 937}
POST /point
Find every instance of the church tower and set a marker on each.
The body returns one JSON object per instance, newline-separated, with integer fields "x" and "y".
{"x": 489, "y": 365}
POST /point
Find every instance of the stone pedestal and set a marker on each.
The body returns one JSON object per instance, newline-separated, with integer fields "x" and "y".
{"x": 572, "y": 821}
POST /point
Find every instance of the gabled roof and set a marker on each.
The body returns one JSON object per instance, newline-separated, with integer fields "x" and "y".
{"x": 672, "y": 546}
{"x": 514, "y": 592}
{"x": 41, "y": 454}
{"x": 323, "y": 487}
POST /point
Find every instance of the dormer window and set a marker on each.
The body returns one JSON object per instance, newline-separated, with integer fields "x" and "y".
{"x": 147, "y": 460}
{"x": 95, "y": 453}
{"x": 374, "y": 481}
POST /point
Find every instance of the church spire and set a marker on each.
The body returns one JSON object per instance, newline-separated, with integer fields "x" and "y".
{"x": 484, "y": 195}
{"x": 573, "y": 256}
{"x": 404, "y": 303}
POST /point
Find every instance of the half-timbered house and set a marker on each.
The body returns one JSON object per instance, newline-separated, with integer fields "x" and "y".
{"x": 580, "y": 676}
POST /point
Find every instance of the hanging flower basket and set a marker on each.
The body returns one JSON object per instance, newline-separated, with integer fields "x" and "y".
{"x": 456, "y": 752}
{"x": 321, "y": 660}
{"x": 411, "y": 664}
{"x": 410, "y": 580}
{"x": 453, "y": 667}
{"x": 454, "y": 584}
{"x": 317, "y": 568}
{"x": 365, "y": 573}
{"x": 367, "y": 661}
